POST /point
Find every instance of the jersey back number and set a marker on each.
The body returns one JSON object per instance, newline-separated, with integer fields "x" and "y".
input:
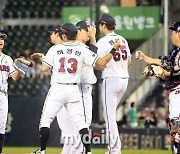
{"x": 71, "y": 69}
{"x": 121, "y": 53}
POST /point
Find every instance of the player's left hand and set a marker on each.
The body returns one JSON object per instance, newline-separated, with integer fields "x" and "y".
{"x": 155, "y": 70}
{"x": 92, "y": 31}
{"x": 37, "y": 55}
{"x": 22, "y": 65}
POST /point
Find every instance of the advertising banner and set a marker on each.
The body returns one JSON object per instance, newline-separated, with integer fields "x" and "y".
{"x": 131, "y": 22}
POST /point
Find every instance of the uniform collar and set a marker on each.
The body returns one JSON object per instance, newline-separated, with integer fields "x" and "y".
{"x": 1, "y": 54}
{"x": 69, "y": 43}
{"x": 110, "y": 34}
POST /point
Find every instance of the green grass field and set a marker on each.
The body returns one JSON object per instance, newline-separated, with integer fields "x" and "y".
{"x": 50, "y": 150}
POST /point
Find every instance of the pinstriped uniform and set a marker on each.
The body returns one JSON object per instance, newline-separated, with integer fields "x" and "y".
{"x": 6, "y": 70}
{"x": 115, "y": 80}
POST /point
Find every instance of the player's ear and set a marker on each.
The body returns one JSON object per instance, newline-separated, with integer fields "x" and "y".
{"x": 104, "y": 26}
{"x": 64, "y": 36}
{"x": 78, "y": 32}
{"x": 179, "y": 34}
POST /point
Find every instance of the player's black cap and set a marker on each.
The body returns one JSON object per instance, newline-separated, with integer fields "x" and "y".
{"x": 82, "y": 25}
{"x": 107, "y": 20}
{"x": 175, "y": 27}
{"x": 3, "y": 35}
{"x": 56, "y": 28}
{"x": 69, "y": 29}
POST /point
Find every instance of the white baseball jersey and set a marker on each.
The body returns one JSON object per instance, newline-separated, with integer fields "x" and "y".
{"x": 67, "y": 63}
{"x": 115, "y": 80}
{"x": 87, "y": 73}
{"x": 174, "y": 105}
{"x": 6, "y": 70}
{"x": 117, "y": 67}
{"x": 65, "y": 122}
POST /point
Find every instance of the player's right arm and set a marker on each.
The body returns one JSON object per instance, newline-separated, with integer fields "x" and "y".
{"x": 101, "y": 62}
{"x": 141, "y": 56}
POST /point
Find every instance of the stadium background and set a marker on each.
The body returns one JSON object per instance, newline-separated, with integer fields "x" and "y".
{"x": 27, "y": 22}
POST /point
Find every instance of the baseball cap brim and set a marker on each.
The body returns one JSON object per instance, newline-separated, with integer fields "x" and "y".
{"x": 172, "y": 28}
{"x": 55, "y": 29}
{"x": 175, "y": 27}
{"x": 3, "y": 35}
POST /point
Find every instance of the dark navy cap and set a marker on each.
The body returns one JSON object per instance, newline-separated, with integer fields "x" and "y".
{"x": 107, "y": 20}
{"x": 175, "y": 27}
{"x": 3, "y": 35}
{"x": 56, "y": 28}
{"x": 82, "y": 25}
{"x": 69, "y": 29}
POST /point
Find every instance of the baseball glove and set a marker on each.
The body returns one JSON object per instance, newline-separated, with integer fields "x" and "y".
{"x": 22, "y": 65}
{"x": 154, "y": 70}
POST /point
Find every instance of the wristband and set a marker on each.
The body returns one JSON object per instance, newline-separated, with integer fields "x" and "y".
{"x": 112, "y": 51}
{"x": 171, "y": 73}
{"x": 42, "y": 58}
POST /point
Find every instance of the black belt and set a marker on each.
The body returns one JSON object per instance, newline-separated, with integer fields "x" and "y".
{"x": 68, "y": 83}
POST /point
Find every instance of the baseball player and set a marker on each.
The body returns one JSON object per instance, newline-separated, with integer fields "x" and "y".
{"x": 85, "y": 32}
{"x": 88, "y": 78}
{"x": 171, "y": 66}
{"x": 65, "y": 123}
{"x": 6, "y": 70}
{"x": 66, "y": 61}
{"x": 67, "y": 126}
{"x": 115, "y": 78}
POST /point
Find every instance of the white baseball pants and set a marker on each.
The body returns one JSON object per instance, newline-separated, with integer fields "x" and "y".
{"x": 3, "y": 111}
{"x": 112, "y": 91}
{"x": 61, "y": 95}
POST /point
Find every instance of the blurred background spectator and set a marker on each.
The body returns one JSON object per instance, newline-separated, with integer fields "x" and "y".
{"x": 124, "y": 110}
{"x": 151, "y": 120}
{"x": 160, "y": 103}
{"x": 133, "y": 116}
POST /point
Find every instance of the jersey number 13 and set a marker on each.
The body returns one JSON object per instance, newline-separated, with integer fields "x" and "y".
{"x": 72, "y": 68}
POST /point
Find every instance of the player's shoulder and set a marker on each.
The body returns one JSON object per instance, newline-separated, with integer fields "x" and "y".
{"x": 55, "y": 47}
{"x": 83, "y": 49}
{"x": 7, "y": 57}
{"x": 102, "y": 41}
{"x": 82, "y": 44}
{"x": 122, "y": 38}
